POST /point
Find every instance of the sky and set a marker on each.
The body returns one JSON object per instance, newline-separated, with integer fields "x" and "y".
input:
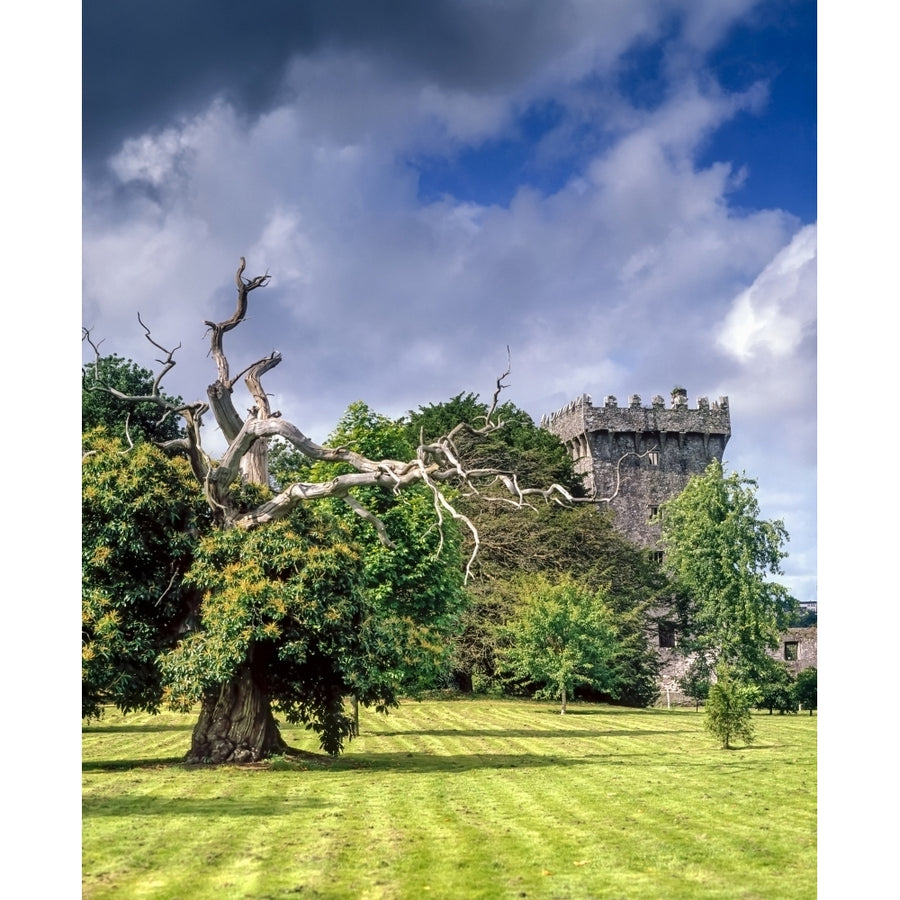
{"x": 615, "y": 197}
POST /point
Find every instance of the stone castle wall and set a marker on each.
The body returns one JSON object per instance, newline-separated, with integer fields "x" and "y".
{"x": 644, "y": 455}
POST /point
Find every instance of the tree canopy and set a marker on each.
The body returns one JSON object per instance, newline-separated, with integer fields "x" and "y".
{"x": 142, "y": 515}
{"x": 721, "y": 554}
{"x": 559, "y": 636}
{"x": 121, "y": 378}
{"x": 547, "y": 539}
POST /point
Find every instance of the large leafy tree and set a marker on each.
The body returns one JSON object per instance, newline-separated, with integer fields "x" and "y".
{"x": 134, "y": 422}
{"x": 579, "y": 543}
{"x": 294, "y": 623}
{"x": 416, "y": 584}
{"x": 142, "y": 515}
{"x": 560, "y": 636}
{"x": 285, "y": 616}
{"x": 722, "y": 554}
{"x": 576, "y": 540}
{"x": 775, "y": 688}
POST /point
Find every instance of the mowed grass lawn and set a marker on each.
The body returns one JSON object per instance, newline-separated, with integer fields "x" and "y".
{"x": 458, "y": 799}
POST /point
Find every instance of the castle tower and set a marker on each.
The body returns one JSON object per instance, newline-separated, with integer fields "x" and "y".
{"x": 678, "y": 442}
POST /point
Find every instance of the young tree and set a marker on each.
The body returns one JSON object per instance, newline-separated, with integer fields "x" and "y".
{"x": 728, "y": 708}
{"x": 560, "y": 636}
{"x": 721, "y": 553}
{"x": 697, "y": 680}
{"x": 806, "y": 692}
{"x": 285, "y": 624}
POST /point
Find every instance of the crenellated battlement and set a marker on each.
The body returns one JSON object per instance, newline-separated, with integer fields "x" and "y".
{"x": 655, "y": 449}
{"x": 582, "y": 417}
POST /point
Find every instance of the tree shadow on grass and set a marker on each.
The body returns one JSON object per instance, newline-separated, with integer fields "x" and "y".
{"x": 292, "y": 760}
{"x": 424, "y": 763}
{"x": 555, "y": 733}
{"x": 124, "y": 765}
{"x": 267, "y": 807}
{"x": 133, "y": 729}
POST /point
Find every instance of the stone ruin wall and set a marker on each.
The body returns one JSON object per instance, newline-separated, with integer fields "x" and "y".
{"x": 675, "y": 666}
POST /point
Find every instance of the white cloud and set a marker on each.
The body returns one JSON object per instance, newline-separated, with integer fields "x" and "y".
{"x": 775, "y": 313}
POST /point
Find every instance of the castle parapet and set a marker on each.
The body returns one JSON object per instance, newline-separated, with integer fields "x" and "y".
{"x": 634, "y": 457}
{"x": 582, "y": 417}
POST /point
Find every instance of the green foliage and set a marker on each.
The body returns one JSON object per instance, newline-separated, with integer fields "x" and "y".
{"x": 99, "y": 407}
{"x": 141, "y": 517}
{"x": 537, "y": 457}
{"x": 362, "y": 429}
{"x": 559, "y": 636}
{"x": 697, "y": 680}
{"x": 290, "y": 600}
{"x": 287, "y": 464}
{"x": 804, "y": 618}
{"x": 775, "y": 686}
{"x": 728, "y": 708}
{"x": 557, "y": 542}
{"x": 721, "y": 554}
{"x": 806, "y": 689}
{"x": 415, "y": 585}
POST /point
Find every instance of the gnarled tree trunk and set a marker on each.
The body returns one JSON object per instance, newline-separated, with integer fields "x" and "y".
{"x": 236, "y": 724}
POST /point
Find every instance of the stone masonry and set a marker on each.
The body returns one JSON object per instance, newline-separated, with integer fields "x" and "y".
{"x": 655, "y": 450}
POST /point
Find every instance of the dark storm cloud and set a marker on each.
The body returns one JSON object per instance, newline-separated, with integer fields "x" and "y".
{"x": 145, "y": 64}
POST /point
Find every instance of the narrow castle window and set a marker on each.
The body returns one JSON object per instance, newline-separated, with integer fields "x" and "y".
{"x": 656, "y": 556}
{"x": 791, "y": 649}
{"x": 654, "y": 513}
{"x": 666, "y": 634}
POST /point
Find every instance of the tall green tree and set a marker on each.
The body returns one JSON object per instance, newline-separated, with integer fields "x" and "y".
{"x": 806, "y": 690}
{"x": 416, "y": 583}
{"x": 580, "y": 543}
{"x": 560, "y": 636}
{"x": 576, "y": 540}
{"x": 722, "y": 554}
{"x": 286, "y": 608}
{"x": 775, "y": 686}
